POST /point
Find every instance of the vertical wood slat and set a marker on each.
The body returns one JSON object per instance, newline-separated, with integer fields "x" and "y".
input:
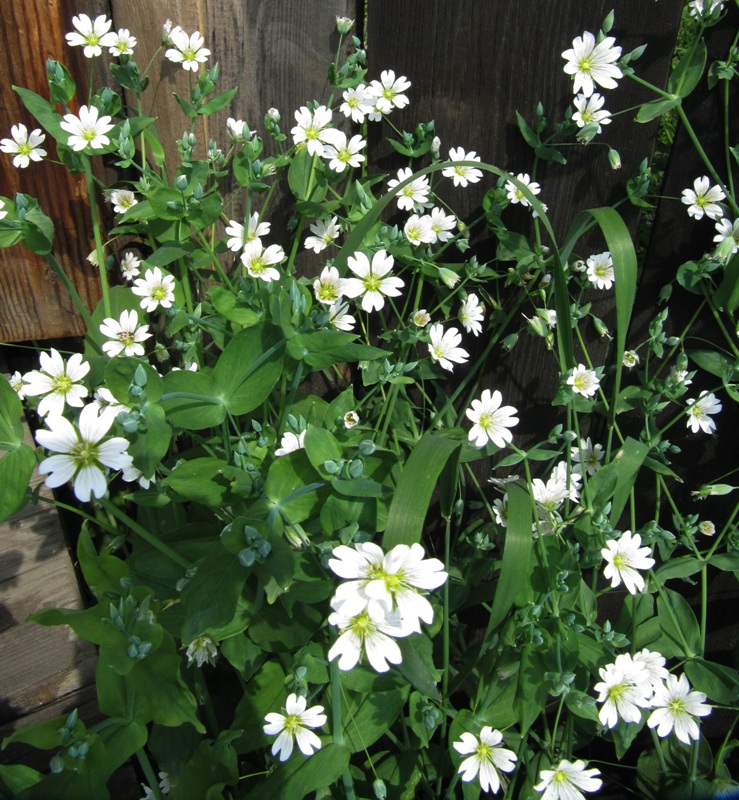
{"x": 473, "y": 65}
{"x": 33, "y": 302}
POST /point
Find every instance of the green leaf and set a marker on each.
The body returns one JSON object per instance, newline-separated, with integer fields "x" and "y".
{"x": 418, "y": 664}
{"x": 11, "y": 411}
{"x": 655, "y": 108}
{"x": 264, "y": 692}
{"x": 211, "y": 597}
{"x": 320, "y": 349}
{"x": 218, "y": 102}
{"x": 680, "y": 567}
{"x": 410, "y": 504}
{"x": 204, "y": 480}
{"x": 43, "y": 112}
{"x": 717, "y": 681}
{"x": 14, "y": 778}
{"x": 529, "y": 134}
{"x": 728, "y": 562}
{"x": 302, "y": 776}
{"x": 103, "y": 573}
{"x": 228, "y": 306}
{"x": 368, "y": 716}
{"x": 208, "y": 770}
{"x": 291, "y": 486}
{"x": 516, "y": 566}
{"x": 301, "y": 177}
{"x": 626, "y": 462}
{"x": 687, "y": 74}
{"x": 119, "y": 378}
{"x": 321, "y": 446}
{"x": 712, "y": 362}
{"x": 38, "y": 232}
{"x": 192, "y": 400}
{"x": 249, "y": 367}
{"x": 678, "y": 624}
{"x": 727, "y": 294}
{"x": 16, "y": 469}
{"x": 149, "y": 446}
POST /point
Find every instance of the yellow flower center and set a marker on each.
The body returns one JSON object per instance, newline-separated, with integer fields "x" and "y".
{"x": 62, "y": 384}
{"x": 585, "y": 65}
{"x": 293, "y": 724}
{"x": 85, "y": 453}
{"x": 372, "y": 283}
{"x": 158, "y": 293}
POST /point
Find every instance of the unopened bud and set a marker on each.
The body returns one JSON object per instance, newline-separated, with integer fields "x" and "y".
{"x": 614, "y": 158}
{"x": 344, "y": 24}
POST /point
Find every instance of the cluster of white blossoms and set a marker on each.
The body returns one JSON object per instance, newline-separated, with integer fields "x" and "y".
{"x": 641, "y": 682}
{"x": 380, "y": 600}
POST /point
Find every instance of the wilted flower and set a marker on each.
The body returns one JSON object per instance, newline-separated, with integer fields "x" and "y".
{"x": 351, "y": 419}
{"x": 202, "y": 649}
{"x": 237, "y": 129}
{"x": 706, "y": 527}
{"x": 630, "y": 358}
{"x": 344, "y": 24}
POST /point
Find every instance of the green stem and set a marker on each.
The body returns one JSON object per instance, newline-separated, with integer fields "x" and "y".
{"x": 96, "y": 233}
{"x": 337, "y": 725}
{"x": 147, "y": 536}
{"x": 148, "y": 771}
{"x": 69, "y": 286}
{"x": 658, "y": 748}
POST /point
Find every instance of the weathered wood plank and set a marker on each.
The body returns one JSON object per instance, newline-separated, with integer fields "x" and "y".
{"x": 44, "y": 672}
{"x": 33, "y": 302}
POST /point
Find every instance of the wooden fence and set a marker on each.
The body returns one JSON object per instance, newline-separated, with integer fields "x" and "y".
{"x": 472, "y": 63}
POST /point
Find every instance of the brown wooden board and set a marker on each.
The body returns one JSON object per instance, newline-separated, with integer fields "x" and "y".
{"x": 33, "y": 302}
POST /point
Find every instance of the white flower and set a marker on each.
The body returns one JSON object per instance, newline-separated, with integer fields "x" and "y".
{"x": 442, "y": 224}
{"x": 358, "y": 102}
{"x": 155, "y": 289}
{"x": 201, "y": 649}
{"x": 705, "y": 527}
{"x": 385, "y": 583}
{"x": 491, "y": 420}
{"x": 16, "y": 384}
{"x": 583, "y": 381}
{"x": 132, "y": 473}
{"x": 516, "y": 195}
{"x": 187, "y": 50}
{"x": 414, "y": 196}
{"x": 328, "y": 287}
{"x": 600, "y": 270}
{"x": 363, "y": 633}
{"x": 106, "y": 404}
{"x": 699, "y": 412}
{"x": 25, "y": 146}
{"x": 338, "y": 317}
{"x": 622, "y": 693}
{"x": 462, "y": 176}
{"x": 241, "y": 236}
{"x": 421, "y": 318}
{"x": 704, "y": 199}
{"x": 471, "y": 314}
{"x": 58, "y": 381}
{"x": 130, "y": 266}
{"x": 418, "y": 230}
{"x": 589, "y": 111}
{"x": 87, "y": 130}
{"x": 82, "y": 454}
{"x": 562, "y": 485}
{"x": 702, "y": 9}
{"x": 273, "y": 114}
{"x": 325, "y": 232}
{"x": 311, "y": 128}
{"x": 351, "y": 420}
{"x": 292, "y": 726}
{"x": 122, "y": 200}
{"x": 238, "y": 129}
{"x": 675, "y": 706}
{"x": 486, "y": 758}
{"x": 92, "y": 35}
{"x": 259, "y": 261}
{"x": 374, "y": 281}
{"x": 123, "y": 44}
{"x": 126, "y": 335}
{"x": 444, "y": 347}
{"x": 727, "y": 232}
{"x": 649, "y": 669}
{"x": 630, "y": 358}
{"x": 567, "y": 780}
{"x": 340, "y": 152}
{"x": 500, "y": 509}
{"x": 592, "y": 63}
{"x": 389, "y": 92}
{"x": 587, "y": 455}
{"x": 290, "y": 442}
{"x": 625, "y": 557}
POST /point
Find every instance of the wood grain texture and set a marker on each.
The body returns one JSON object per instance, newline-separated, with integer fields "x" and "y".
{"x": 43, "y": 671}
{"x": 473, "y": 64}
{"x": 33, "y": 303}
